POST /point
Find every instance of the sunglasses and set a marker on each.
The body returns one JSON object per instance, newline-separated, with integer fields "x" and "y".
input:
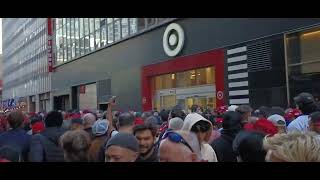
{"x": 176, "y": 138}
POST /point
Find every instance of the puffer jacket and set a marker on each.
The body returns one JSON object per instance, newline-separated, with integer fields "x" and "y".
{"x": 45, "y": 146}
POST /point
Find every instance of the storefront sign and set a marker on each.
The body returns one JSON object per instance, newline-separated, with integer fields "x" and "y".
{"x": 82, "y": 89}
{"x": 173, "y": 39}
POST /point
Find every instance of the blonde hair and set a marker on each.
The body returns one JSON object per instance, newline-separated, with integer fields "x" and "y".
{"x": 294, "y": 147}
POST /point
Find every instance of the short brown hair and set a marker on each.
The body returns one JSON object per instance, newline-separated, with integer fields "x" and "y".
{"x": 244, "y": 109}
{"x": 15, "y": 119}
{"x": 76, "y": 145}
{"x": 145, "y": 126}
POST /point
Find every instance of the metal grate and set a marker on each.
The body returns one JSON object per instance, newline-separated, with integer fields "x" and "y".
{"x": 259, "y": 56}
{"x": 103, "y": 90}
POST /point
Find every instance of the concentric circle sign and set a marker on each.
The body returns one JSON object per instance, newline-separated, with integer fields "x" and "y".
{"x": 220, "y": 95}
{"x": 173, "y": 39}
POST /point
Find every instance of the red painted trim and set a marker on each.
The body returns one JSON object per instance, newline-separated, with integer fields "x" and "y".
{"x": 49, "y": 37}
{"x": 211, "y": 58}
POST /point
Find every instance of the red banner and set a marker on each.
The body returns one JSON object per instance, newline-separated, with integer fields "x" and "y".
{"x": 82, "y": 89}
{"x": 49, "y": 47}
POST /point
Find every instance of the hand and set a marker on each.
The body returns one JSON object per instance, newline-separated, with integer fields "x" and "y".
{"x": 112, "y": 101}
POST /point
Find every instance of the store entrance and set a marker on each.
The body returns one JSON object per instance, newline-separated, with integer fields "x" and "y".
{"x": 186, "y": 97}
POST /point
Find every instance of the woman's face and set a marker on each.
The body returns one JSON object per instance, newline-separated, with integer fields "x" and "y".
{"x": 204, "y": 136}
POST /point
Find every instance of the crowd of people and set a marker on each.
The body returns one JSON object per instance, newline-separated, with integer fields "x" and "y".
{"x": 225, "y": 134}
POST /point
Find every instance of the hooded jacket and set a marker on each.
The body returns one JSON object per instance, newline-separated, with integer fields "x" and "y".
{"x": 223, "y": 145}
{"x": 207, "y": 152}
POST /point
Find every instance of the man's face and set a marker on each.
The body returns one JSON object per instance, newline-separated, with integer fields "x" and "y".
{"x": 145, "y": 139}
{"x": 119, "y": 154}
{"x": 173, "y": 152}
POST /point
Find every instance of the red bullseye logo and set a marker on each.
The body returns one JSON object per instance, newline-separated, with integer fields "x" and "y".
{"x": 220, "y": 95}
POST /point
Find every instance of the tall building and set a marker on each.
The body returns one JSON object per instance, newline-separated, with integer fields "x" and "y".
{"x": 26, "y": 77}
{"x": 1, "y": 82}
{"x": 160, "y": 62}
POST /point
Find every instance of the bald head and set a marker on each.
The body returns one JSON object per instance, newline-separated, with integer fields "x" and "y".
{"x": 178, "y": 152}
{"x": 88, "y": 120}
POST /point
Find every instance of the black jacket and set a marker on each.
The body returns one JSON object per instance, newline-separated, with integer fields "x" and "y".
{"x": 223, "y": 146}
{"x": 45, "y": 146}
{"x": 152, "y": 158}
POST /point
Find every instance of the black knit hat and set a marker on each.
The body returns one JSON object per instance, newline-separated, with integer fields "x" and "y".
{"x": 124, "y": 140}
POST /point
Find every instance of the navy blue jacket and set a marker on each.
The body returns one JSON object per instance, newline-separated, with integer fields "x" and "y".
{"x": 18, "y": 139}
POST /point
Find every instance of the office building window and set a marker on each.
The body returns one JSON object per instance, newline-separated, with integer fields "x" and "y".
{"x": 110, "y": 30}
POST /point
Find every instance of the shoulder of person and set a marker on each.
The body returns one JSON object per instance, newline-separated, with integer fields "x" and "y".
{"x": 114, "y": 132}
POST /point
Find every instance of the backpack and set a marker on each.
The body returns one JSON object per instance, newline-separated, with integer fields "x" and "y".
{"x": 52, "y": 152}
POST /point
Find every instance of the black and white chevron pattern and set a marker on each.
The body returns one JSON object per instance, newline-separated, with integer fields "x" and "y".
{"x": 237, "y": 71}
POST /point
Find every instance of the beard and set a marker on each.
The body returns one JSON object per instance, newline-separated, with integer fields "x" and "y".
{"x": 146, "y": 149}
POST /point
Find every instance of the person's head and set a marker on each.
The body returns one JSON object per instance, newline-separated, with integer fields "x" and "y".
{"x": 122, "y": 147}
{"x": 179, "y": 146}
{"x": 292, "y": 147}
{"x": 54, "y": 119}
{"x": 76, "y": 124}
{"x": 197, "y": 124}
{"x": 231, "y": 121}
{"x": 232, "y": 107}
{"x": 314, "y": 122}
{"x": 221, "y": 110}
{"x": 277, "y": 110}
{"x": 88, "y": 120}
{"x": 263, "y": 112}
{"x": 305, "y": 102}
{"x": 75, "y": 145}
{"x": 146, "y": 136}
{"x": 100, "y": 127}
{"x": 249, "y": 147}
{"x": 177, "y": 112}
{"x": 15, "y": 119}
{"x": 137, "y": 114}
{"x": 175, "y": 123}
{"x": 262, "y": 125}
{"x": 37, "y": 125}
{"x": 147, "y": 114}
{"x": 164, "y": 114}
{"x": 245, "y": 111}
{"x": 10, "y": 154}
{"x": 279, "y": 122}
{"x": 125, "y": 121}
{"x": 196, "y": 109}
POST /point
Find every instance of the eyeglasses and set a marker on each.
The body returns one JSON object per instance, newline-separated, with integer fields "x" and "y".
{"x": 177, "y": 138}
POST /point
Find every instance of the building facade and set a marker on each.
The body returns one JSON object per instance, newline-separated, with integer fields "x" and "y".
{"x": 148, "y": 63}
{"x": 159, "y": 62}
{"x": 26, "y": 77}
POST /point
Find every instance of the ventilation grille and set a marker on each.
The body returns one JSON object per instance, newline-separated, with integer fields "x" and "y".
{"x": 259, "y": 56}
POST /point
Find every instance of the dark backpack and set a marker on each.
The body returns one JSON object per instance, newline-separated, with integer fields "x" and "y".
{"x": 52, "y": 151}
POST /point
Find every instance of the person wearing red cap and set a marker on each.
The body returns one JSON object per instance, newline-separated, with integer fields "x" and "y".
{"x": 263, "y": 126}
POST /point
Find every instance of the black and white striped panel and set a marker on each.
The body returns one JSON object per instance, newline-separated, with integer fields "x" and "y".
{"x": 237, "y": 71}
